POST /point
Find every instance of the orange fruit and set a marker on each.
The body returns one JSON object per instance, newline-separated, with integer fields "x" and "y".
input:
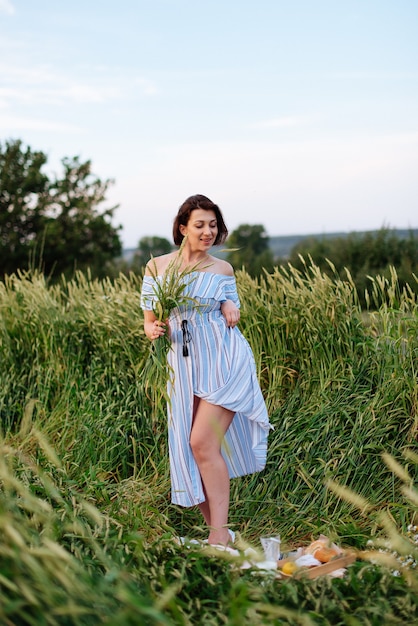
{"x": 324, "y": 554}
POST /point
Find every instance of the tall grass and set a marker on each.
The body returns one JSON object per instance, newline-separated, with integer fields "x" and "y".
{"x": 340, "y": 391}
{"x": 84, "y": 428}
{"x": 63, "y": 562}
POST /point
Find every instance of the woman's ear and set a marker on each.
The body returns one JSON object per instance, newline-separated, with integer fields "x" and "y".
{"x": 183, "y": 229}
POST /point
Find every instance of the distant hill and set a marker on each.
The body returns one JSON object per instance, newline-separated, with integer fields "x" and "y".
{"x": 128, "y": 254}
{"x": 282, "y": 246}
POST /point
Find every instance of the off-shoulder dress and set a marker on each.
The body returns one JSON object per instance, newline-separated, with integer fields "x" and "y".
{"x": 220, "y": 368}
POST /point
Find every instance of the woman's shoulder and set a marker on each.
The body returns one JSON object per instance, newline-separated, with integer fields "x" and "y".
{"x": 219, "y": 266}
{"x": 157, "y": 265}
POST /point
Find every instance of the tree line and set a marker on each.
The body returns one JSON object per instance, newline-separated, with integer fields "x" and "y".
{"x": 53, "y": 223}
{"x": 364, "y": 256}
{"x": 62, "y": 224}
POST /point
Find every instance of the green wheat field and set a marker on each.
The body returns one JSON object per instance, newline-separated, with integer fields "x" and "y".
{"x": 87, "y": 531}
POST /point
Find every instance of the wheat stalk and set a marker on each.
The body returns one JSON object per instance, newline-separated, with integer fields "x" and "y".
{"x": 168, "y": 294}
{"x": 169, "y": 289}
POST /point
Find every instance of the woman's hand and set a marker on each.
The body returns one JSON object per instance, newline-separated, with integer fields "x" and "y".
{"x": 153, "y": 327}
{"x": 231, "y": 313}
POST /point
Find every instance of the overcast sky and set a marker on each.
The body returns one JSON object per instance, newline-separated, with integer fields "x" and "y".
{"x": 300, "y": 115}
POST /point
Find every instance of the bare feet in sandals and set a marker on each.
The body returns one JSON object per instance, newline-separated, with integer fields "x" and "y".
{"x": 221, "y": 537}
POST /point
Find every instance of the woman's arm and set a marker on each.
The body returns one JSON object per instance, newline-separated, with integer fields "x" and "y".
{"x": 152, "y": 327}
{"x": 231, "y": 313}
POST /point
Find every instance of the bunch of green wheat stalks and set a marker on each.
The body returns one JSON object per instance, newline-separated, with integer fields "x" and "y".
{"x": 169, "y": 293}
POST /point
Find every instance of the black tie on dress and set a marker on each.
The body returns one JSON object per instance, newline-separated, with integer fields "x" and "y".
{"x": 186, "y": 337}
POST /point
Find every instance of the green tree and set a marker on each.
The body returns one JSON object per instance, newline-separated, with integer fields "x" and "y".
{"x": 21, "y": 185}
{"x": 148, "y": 247}
{"x": 363, "y": 254}
{"x": 77, "y": 235}
{"x": 54, "y": 224}
{"x": 249, "y": 249}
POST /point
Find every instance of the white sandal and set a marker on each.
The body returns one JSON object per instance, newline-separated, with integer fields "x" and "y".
{"x": 227, "y": 548}
{"x": 185, "y": 541}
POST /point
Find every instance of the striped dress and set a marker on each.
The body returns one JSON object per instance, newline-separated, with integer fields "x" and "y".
{"x": 219, "y": 368}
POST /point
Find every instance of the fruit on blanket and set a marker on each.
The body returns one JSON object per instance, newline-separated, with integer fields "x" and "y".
{"x": 325, "y": 554}
{"x": 289, "y": 568}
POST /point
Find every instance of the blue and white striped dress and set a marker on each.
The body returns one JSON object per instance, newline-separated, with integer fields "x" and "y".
{"x": 220, "y": 369}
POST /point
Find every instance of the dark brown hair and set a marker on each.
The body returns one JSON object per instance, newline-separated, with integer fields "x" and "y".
{"x": 198, "y": 202}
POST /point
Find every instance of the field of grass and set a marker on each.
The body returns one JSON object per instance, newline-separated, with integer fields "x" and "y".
{"x": 86, "y": 525}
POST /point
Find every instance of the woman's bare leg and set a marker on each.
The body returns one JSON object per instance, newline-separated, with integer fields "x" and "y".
{"x": 204, "y": 509}
{"x": 203, "y": 506}
{"x": 210, "y": 424}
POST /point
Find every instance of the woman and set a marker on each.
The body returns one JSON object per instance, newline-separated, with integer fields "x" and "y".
{"x": 218, "y": 423}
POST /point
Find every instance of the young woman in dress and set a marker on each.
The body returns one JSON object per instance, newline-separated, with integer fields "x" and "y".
{"x": 217, "y": 418}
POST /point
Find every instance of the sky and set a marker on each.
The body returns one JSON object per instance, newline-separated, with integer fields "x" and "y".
{"x": 299, "y": 115}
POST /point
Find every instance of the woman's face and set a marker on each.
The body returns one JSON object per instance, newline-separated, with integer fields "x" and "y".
{"x": 202, "y": 229}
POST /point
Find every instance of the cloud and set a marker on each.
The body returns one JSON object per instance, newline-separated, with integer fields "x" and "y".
{"x": 87, "y": 94}
{"x": 42, "y": 84}
{"x": 24, "y": 74}
{"x": 281, "y": 122}
{"x": 7, "y": 7}
{"x": 14, "y": 123}
{"x": 148, "y": 87}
